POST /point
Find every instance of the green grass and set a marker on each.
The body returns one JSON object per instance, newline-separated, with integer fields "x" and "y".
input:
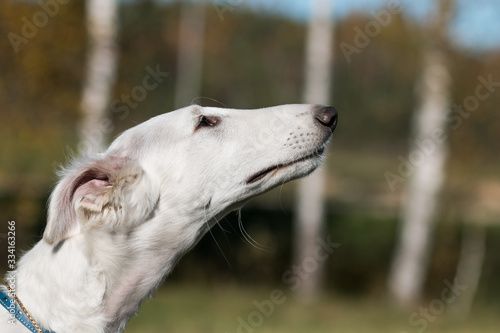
{"x": 183, "y": 309}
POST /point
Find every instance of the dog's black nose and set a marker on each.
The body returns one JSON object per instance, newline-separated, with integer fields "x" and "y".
{"x": 327, "y": 116}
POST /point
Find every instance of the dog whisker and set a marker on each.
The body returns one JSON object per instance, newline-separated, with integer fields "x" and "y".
{"x": 208, "y": 98}
{"x": 247, "y": 236}
{"x": 281, "y": 203}
{"x": 213, "y": 237}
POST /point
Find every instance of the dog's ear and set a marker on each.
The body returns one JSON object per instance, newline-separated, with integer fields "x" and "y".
{"x": 104, "y": 193}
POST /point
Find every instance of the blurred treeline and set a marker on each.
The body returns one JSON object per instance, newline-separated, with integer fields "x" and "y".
{"x": 256, "y": 59}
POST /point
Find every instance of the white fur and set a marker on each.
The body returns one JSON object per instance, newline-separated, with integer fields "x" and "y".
{"x": 119, "y": 221}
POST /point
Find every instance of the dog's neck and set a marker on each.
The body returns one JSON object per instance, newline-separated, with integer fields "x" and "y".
{"x": 66, "y": 288}
{"x": 60, "y": 288}
{"x": 79, "y": 286}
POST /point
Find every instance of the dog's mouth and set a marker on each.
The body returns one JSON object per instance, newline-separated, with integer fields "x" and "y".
{"x": 261, "y": 174}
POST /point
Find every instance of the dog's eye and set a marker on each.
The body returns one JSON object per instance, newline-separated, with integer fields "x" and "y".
{"x": 208, "y": 121}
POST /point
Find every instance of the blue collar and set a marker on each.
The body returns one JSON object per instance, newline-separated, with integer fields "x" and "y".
{"x": 16, "y": 311}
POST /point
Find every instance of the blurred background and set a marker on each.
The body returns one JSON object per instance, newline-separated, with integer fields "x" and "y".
{"x": 405, "y": 210}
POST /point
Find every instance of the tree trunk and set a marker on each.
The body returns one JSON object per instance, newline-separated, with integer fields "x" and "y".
{"x": 427, "y": 157}
{"x": 310, "y": 206}
{"x": 102, "y": 61}
{"x": 190, "y": 53}
{"x": 470, "y": 265}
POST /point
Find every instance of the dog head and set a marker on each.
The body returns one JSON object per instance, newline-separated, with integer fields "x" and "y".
{"x": 188, "y": 167}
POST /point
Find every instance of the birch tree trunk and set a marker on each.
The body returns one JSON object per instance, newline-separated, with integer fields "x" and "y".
{"x": 470, "y": 265}
{"x": 190, "y": 53}
{"x": 427, "y": 156}
{"x": 101, "y": 69}
{"x": 310, "y": 205}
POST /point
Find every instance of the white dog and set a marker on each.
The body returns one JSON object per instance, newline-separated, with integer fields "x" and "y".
{"x": 119, "y": 221}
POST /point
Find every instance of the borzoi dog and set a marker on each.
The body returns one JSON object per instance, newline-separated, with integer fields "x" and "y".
{"x": 120, "y": 220}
